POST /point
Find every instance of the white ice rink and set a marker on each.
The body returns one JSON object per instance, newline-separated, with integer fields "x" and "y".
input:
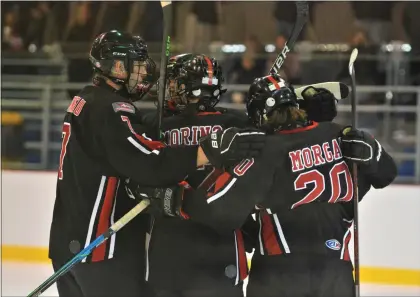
{"x": 20, "y": 279}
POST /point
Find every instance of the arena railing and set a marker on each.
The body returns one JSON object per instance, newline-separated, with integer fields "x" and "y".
{"x": 47, "y": 108}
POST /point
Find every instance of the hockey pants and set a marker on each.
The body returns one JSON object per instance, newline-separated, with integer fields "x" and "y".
{"x": 102, "y": 279}
{"x": 294, "y": 276}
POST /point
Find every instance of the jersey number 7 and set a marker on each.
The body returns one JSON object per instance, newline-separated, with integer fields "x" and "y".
{"x": 318, "y": 179}
{"x": 66, "y": 132}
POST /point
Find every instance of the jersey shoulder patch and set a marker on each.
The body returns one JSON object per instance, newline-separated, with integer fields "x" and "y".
{"x": 123, "y": 106}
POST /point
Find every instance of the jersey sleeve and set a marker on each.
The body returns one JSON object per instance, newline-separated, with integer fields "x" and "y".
{"x": 382, "y": 177}
{"x": 232, "y": 198}
{"x": 133, "y": 154}
{"x": 385, "y": 173}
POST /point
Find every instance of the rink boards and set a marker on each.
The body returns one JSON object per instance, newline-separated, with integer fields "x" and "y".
{"x": 389, "y": 226}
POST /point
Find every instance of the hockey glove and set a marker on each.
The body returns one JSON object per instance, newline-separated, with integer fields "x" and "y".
{"x": 223, "y": 147}
{"x": 319, "y": 104}
{"x": 163, "y": 201}
{"x": 360, "y": 147}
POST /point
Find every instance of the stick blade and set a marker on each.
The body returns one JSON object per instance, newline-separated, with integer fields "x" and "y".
{"x": 353, "y": 58}
{"x": 165, "y": 3}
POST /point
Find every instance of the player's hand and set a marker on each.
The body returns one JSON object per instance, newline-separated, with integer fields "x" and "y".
{"x": 360, "y": 147}
{"x": 320, "y": 104}
{"x": 163, "y": 201}
{"x": 232, "y": 144}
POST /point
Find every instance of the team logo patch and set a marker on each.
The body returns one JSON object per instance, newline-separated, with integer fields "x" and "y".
{"x": 123, "y": 106}
{"x": 333, "y": 244}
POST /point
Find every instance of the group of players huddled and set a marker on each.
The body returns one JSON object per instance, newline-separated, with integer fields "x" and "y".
{"x": 276, "y": 180}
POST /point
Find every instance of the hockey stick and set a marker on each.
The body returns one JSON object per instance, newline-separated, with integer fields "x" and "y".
{"x": 353, "y": 58}
{"x": 302, "y": 15}
{"x": 340, "y": 90}
{"x": 87, "y": 250}
{"x": 166, "y": 46}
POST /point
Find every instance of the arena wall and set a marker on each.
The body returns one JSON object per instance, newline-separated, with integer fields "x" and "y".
{"x": 389, "y": 226}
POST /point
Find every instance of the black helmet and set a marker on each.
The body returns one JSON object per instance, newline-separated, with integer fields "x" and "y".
{"x": 193, "y": 76}
{"x": 267, "y": 94}
{"x": 124, "y": 59}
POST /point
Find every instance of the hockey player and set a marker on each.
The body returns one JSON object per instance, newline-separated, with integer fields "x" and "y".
{"x": 302, "y": 190}
{"x": 105, "y": 141}
{"x": 206, "y": 263}
{"x": 198, "y": 257}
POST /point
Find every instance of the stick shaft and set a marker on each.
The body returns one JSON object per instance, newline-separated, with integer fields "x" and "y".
{"x": 302, "y": 15}
{"x": 87, "y": 250}
{"x": 166, "y": 45}
{"x": 355, "y": 182}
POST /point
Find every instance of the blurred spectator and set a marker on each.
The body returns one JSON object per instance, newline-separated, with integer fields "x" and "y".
{"x": 247, "y": 67}
{"x": 250, "y": 65}
{"x": 36, "y": 27}
{"x": 112, "y": 15}
{"x": 256, "y": 49}
{"x": 333, "y": 21}
{"x": 11, "y": 38}
{"x": 150, "y": 24}
{"x": 238, "y": 98}
{"x": 285, "y": 14}
{"x": 367, "y": 70}
{"x": 80, "y": 23}
{"x": 374, "y": 17}
{"x": 201, "y": 25}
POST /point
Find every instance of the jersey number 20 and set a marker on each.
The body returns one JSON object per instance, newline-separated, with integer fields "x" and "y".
{"x": 318, "y": 179}
{"x": 66, "y": 137}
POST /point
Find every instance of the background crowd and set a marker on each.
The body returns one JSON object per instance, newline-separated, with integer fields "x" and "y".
{"x": 52, "y": 38}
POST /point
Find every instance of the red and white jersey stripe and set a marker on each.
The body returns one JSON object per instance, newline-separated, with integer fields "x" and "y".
{"x": 241, "y": 259}
{"x": 345, "y": 253}
{"x": 271, "y": 237}
{"x": 102, "y": 218}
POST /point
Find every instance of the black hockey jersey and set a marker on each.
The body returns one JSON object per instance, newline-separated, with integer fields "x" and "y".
{"x": 302, "y": 190}
{"x": 181, "y": 251}
{"x": 104, "y": 142}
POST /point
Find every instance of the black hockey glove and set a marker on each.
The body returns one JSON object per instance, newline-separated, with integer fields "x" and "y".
{"x": 319, "y": 104}
{"x": 163, "y": 201}
{"x": 223, "y": 147}
{"x": 360, "y": 147}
